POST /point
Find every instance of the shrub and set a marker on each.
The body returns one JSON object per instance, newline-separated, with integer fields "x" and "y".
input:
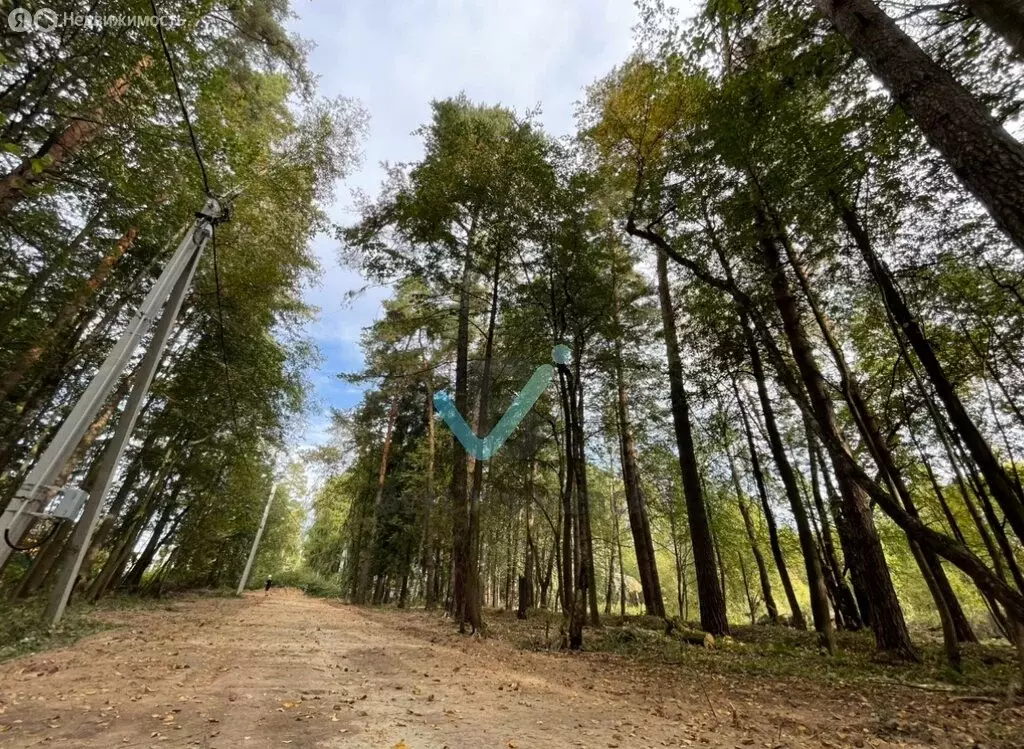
{"x": 310, "y": 582}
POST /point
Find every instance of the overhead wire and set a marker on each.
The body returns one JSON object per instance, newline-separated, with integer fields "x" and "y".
{"x": 206, "y": 189}
{"x": 222, "y": 337}
{"x": 220, "y": 312}
{"x": 181, "y": 98}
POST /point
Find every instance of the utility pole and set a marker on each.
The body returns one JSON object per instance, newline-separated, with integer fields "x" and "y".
{"x": 256, "y": 541}
{"x": 79, "y": 544}
{"x": 168, "y": 292}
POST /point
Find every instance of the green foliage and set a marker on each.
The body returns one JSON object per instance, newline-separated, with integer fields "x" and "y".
{"x": 81, "y": 251}
{"x": 743, "y": 122}
{"x": 742, "y": 128}
{"x": 310, "y": 582}
{"x": 21, "y": 632}
{"x": 786, "y": 654}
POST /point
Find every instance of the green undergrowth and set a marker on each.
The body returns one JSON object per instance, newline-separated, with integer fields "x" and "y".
{"x": 772, "y": 653}
{"x": 22, "y": 632}
{"x": 764, "y": 652}
{"x": 309, "y": 582}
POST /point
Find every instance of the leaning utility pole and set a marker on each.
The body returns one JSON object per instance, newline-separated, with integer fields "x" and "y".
{"x": 256, "y": 541}
{"x": 167, "y": 293}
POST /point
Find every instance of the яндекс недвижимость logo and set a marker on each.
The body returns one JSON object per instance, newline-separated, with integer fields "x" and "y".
{"x": 23, "y": 20}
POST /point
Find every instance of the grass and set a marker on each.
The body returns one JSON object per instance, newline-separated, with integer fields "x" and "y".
{"x": 22, "y": 633}
{"x": 777, "y": 653}
{"x": 310, "y": 583}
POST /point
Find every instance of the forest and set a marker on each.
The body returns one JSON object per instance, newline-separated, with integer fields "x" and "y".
{"x": 785, "y": 247}
{"x": 785, "y": 251}
{"x": 100, "y": 181}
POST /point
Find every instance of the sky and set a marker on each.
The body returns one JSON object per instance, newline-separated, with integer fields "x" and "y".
{"x": 395, "y": 57}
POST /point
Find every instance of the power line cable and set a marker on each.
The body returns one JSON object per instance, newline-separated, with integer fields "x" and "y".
{"x": 223, "y": 340}
{"x": 213, "y": 240}
{"x": 206, "y": 187}
{"x": 181, "y": 98}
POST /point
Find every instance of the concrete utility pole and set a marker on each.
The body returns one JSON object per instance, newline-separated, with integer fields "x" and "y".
{"x": 256, "y": 541}
{"x": 61, "y": 592}
{"x": 167, "y": 293}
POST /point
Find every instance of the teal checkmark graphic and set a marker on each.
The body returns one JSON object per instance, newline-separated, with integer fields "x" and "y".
{"x": 483, "y": 448}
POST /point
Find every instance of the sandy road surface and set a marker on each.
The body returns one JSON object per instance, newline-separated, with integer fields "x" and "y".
{"x": 288, "y": 670}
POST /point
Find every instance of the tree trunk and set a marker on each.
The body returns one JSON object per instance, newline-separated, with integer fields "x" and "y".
{"x": 636, "y": 505}
{"x": 530, "y": 563}
{"x": 526, "y": 580}
{"x": 610, "y": 586}
{"x": 60, "y": 146}
{"x": 815, "y": 579}
{"x": 403, "y": 591}
{"x": 831, "y": 586}
{"x": 119, "y": 557}
{"x": 43, "y": 562}
{"x": 545, "y": 579}
{"x": 583, "y": 491}
{"x": 952, "y": 616}
{"x": 677, "y": 555}
{"x": 721, "y": 565}
{"x": 987, "y": 159}
{"x": 128, "y": 533}
{"x": 574, "y": 595}
{"x": 474, "y": 591}
{"x": 848, "y": 472}
{"x": 748, "y": 525}
{"x": 616, "y": 536}
{"x": 67, "y": 315}
{"x": 751, "y": 602}
{"x": 460, "y": 460}
{"x": 1004, "y": 17}
{"x": 32, "y": 290}
{"x": 134, "y": 576}
{"x": 887, "y": 617}
{"x": 42, "y": 392}
{"x": 845, "y": 603}
{"x": 941, "y": 432}
{"x": 428, "y": 533}
{"x": 367, "y": 560}
{"x": 796, "y": 615}
{"x": 566, "y": 514}
{"x": 1002, "y": 488}
{"x": 860, "y": 590}
{"x": 712, "y": 601}
{"x": 928, "y": 567}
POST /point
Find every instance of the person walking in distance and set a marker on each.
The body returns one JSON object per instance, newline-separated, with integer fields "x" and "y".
{"x": 266, "y": 586}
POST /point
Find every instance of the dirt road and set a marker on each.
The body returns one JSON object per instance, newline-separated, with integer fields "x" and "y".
{"x": 284, "y": 669}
